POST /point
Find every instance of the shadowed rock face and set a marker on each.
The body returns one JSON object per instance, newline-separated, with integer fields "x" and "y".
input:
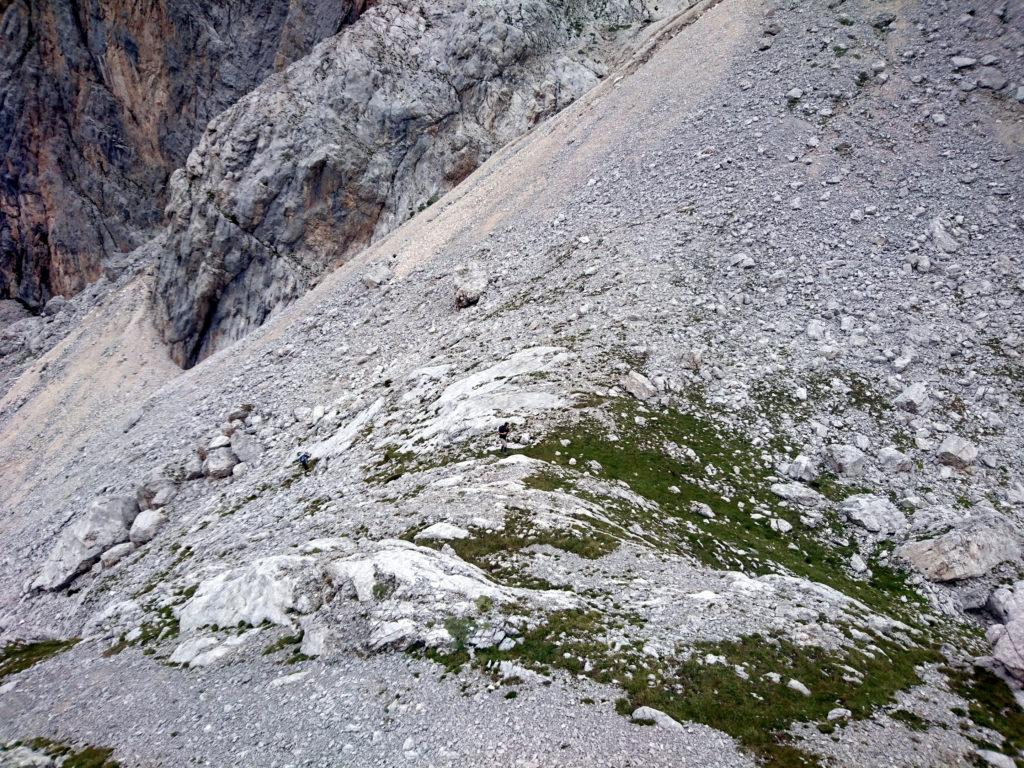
{"x": 101, "y": 99}
{"x": 352, "y": 140}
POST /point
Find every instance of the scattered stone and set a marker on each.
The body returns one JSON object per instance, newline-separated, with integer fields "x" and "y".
{"x": 656, "y": 716}
{"x": 995, "y": 759}
{"x": 796, "y": 685}
{"x": 955, "y": 451}
{"x": 442, "y": 532}
{"x": 470, "y": 284}
{"x": 638, "y": 385}
{"x": 944, "y": 241}
{"x": 702, "y": 509}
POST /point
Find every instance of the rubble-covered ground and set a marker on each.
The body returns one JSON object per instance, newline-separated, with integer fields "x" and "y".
{"x": 752, "y": 310}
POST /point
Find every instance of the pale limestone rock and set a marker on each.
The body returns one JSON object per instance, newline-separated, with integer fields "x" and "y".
{"x": 266, "y": 590}
{"x": 146, "y": 525}
{"x": 962, "y": 554}
{"x": 104, "y": 524}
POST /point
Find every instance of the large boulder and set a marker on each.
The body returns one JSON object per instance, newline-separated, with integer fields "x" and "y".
{"x": 892, "y": 459}
{"x": 914, "y": 399}
{"x": 105, "y": 523}
{"x": 146, "y": 525}
{"x": 1007, "y": 603}
{"x": 407, "y": 592}
{"x": 803, "y": 468}
{"x": 798, "y": 493}
{"x": 246, "y": 447}
{"x": 219, "y": 463}
{"x": 873, "y": 513}
{"x": 967, "y": 553}
{"x": 117, "y": 553}
{"x": 156, "y": 491}
{"x": 470, "y": 283}
{"x": 1007, "y": 639}
{"x": 376, "y": 275}
{"x": 845, "y": 460}
{"x": 638, "y": 385}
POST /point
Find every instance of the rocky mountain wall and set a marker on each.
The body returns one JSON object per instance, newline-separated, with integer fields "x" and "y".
{"x": 374, "y": 125}
{"x": 101, "y": 99}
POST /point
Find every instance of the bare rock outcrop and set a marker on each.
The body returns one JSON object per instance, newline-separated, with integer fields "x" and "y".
{"x": 351, "y": 141}
{"x": 105, "y": 524}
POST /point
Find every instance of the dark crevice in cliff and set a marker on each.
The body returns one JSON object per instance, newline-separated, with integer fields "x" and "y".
{"x": 357, "y": 9}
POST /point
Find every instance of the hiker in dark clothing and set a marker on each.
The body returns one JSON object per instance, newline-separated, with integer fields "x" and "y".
{"x": 503, "y": 431}
{"x": 303, "y": 459}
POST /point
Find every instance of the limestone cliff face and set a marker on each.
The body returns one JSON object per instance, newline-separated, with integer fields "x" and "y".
{"x": 101, "y": 99}
{"x": 353, "y": 139}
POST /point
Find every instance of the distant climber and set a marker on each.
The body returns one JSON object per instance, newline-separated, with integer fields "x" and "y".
{"x": 303, "y": 460}
{"x": 503, "y": 431}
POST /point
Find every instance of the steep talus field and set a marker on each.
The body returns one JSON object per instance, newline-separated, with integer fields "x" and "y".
{"x": 751, "y": 310}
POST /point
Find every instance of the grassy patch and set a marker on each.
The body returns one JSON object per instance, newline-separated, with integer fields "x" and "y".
{"x": 909, "y": 719}
{"x": 288, "y": 641}
{"x": 160, "y": 625}
{"x": 69, "y": 756}
{"x": 17, "y": 657}
{"x": 677, "y": 459}
{"x": 991, "y": 705}
{"x": 495, "y": 551}
{"x": 757, "y": 711}
{"x": 315, "y": 505}
{"x": 756, "y": 708}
